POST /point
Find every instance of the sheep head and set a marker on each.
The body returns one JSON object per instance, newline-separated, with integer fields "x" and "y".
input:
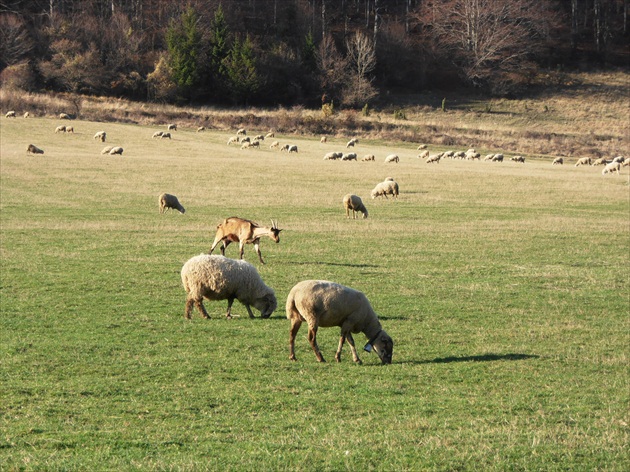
{"x": 383, "y": 346}
{"x": 266, "y": 304}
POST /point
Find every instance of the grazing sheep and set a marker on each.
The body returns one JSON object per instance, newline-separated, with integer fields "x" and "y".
{"x": 235, "y": 229}
{"x": 157, "y": 134}
{"x": 259, "y": 137}
{"x": 245, "y": 140}
{"x": 233, "y": 140}
{"x": 434, "y": 158}
{"x": 172, "y": 127}
{"x": 449, "y": 154}
{"x": 424, "y": 154}
{"x": 165, "y": 135}
{"x": 354, "y": 203}
{"x": 350, "y": 156}
{"x": 421, "y": 147}
{"x": 626, "y": 162}
{"x": 518, "y": 159}
{"x": 10, "y": 114}
{"x": 392, "y": 158}
{"x": 64, "y": 116}
{"x": 387, "y": 187}
{"x": 274, "y": 145}
{"x": 600, "y": 162}
{"x": 326, "y": 304}
{"x": 241, "y": 131}
{"x": 368, "y": 157}
{"x": 474, "y": 155}
{"x": 331, "y": 156}
{"x": 70, "y": 129}
{"x": 167, "y": 201}
{"x": 245, "y": 145}
{"x": 323, "y": 140}
{"x": 352, "y": 142}
{"x": 26, "y": 114}
{"x": 285, "y": 147}
{"x": 557, "y": 161}
{"x": 255, "y": 144}
{"x": 116, "y": 150}
{"x": 618, "y": 159}
{"x": 611, "y": 167}
{"x": 106, "y": 149}
{"x": 289, "y": 148}
{"x": 583, "y": 161}
{"x": 270, "y": 134}
{"x": 200, "y": 129}
{"x": 488, "y": 157}
{"x": 32, "y": 149}
{"x": 499, "y": 158}
{"x": 60, "y": 129}
{"x": 220, "y": 278}
{"x": 102, "y": 135}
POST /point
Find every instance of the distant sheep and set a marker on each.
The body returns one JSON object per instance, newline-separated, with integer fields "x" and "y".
{"x": 611, "y": 168}
{"x": 165, "y": 135}
{"x": 352, "y": 142}
{"x": 167, "y": 201}
{"x": 32, "y": 149}
{"x": 520, "y": 159}
{"x": 220, "y": 278}
{"x": 200, "y": 129}
{"x": 488, "y": 157}
{"x": 435, "y": 158}
{"x": 233, "y": 140}
{"x": 70, "y": 129}
{"x": 172, "y": 127}
{"x": 106, "y": 149}
{"x": 557, "y": 161}
{"x": 499, "y": 158}
{"x": 60, "y": 129}
{"x": 116, "y": 150}
{"x": 619, "y": 159}
{"x": 626, "y": 162}
{"x": 64, "y": 116}
{"x": 354, "y": 203}
{"x": 421, "y": 147}
{"x": 388, "y": 187}
{"x": 270, "y": 134}
{"x": 333, "y": 156}
{"x": 255, "y": 144}
{"x": 259, "y": 137}
{"x": 241, "y": 131}
{"x": 392, "y": 158}
{"x": 325, "y": 304}
{"x": 350, "y": 156}
{"x": 245, "y": 140}
{"x": 368, "y": 157}
{"x": 26, "y": 114}
{"x": 10, "y": 114}
{"x": 583, "y": 162}
{"x": 157, "y": 134}
{"x": 274, "y": 145}
{"x": 245, "y": 145}
{"x": 323, "y": 140}
{"x": 424, "y": 154}
{"x": 101, "y": 135}
{"x": 600, "y": 162}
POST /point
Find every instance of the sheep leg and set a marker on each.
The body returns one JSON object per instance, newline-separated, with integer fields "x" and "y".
{"x": 189, "y": 306}
{"x": 295, "y": 327}
{"x": 257, "y": 247}
{"x": 355, "y": 355}
{"x": 249, "y": 310}
{"x": 202, "y": 309}
{"x": 312, "y": 338}
{"x": 229, "y": 310}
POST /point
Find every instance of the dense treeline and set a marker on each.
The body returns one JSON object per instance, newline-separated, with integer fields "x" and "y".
{"x": 311, "y": 52}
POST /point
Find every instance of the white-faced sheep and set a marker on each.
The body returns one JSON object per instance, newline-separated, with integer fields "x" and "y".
{"x": 241, "y": 131}
{"x": 220, "y": 278}
{"x": 32, "y": 149}
{"x": 172, "y": 127}
{"x": 167, "y": 201}
{"x": 166, "y": 135}
{"x": 106, "y": 149}
{"x": 354, "y": 203}
{"x": 368, "y": 157}
{"x": 352, "y": 142}
{"x": 325, "y": 304}
{"x": 116, "y": 150}
{"x": 583, "y": 161}
{"x": 101, "y": 135}
{"x": 323, "y": 140}
{"x": 64, "y": 116}
{"x": 520, "y": 159}
{"x": 60, "y": 129}
{"x": 611, "y": 168}
{"x": 10, "y": 114}
{"x": 382, "y": 189}
{"x": 557, "y": 161}
{"x": 349, "y": 156}
{"x": 274, "y": 145}
{"x": 424, "y": 154}
{"x": 392, "y": 158}
{"x": 435, "y": 158}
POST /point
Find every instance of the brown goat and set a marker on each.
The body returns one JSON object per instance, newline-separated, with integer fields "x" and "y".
{"x": 235, "y": 229}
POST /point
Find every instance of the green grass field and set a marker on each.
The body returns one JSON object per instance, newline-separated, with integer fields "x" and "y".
{"x": 503, "y": 285}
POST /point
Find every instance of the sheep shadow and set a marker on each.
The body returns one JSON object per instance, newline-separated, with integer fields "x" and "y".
{"x": 337, "y": 264}
{"x": 481, "y": 358}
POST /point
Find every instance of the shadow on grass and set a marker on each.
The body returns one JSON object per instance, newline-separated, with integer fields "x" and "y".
{"x": 481, "y": 358}
{"x": 360, "y": 266}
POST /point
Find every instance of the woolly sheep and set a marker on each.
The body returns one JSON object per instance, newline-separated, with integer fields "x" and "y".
{"x": 488, "y": 157}
{"x": 218, "y": 278}
{"x": 289, "y": 148}
{"x": 255, "y": 144}
{"x": 10, "y": 114}
{"x": 167, "y": 201}
{"x": 424, "y": 154}
{"x": 421, "y": 147}
{"x": 450, "y": 154}
{"x": 388, "y": 187}
{"x": 26, "y": 114}
{"x": 354, "y": 203}
{"x": 102, "y": 135}
{"x": 70, "y": 129}
{"x": 600, "y": 162}
{"x": 245, "y": 140}
{"x": 619, "y": 159}
{"x": 518, "y": 159}
{"x": 434, "y": 158}
{"x": 626, "y": 162}
{"x": 172, "y": 127}
{"x": 368, "y": 157}
{"x": 241, "y": 131}
{"x": 165, "y": 135}
{"x": 60, "y": 129}
{"x": 259, "y": 137}
{"x": 471, "y": 156}
{"x": 325, "y": 304}
{"x": 583, "y": 161}
{"x": 323, "y": 139}
{"x": 270, "y": 134}
{"x": 116, "y": 150}
{"x": 32, "y": 149}
{"x": 499, "y": 158}
{"x": 350, "y": 156}
{"x": 612, "y": 167}
{"x": 245, "y": 145}
{"x": 233, "y": 140}
{"x": 157, "y": 134}
{"x": 331, "y": 156}
{"x": 106, "y": 149}
{"x": 352, "y": 142}
{"x": 557, "y": 161}
{"x": 64, "y": 116}
{"x": 274, "y": 145}
{"x": 392, "y": 158}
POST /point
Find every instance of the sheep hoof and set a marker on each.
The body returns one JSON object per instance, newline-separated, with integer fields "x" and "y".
{"x": 293, "y": 358}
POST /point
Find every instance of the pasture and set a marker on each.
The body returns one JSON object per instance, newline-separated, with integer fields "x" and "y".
{"x": 503, "y": 285}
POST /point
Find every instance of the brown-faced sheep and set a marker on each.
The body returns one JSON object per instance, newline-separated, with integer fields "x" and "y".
{"x": 325, "y": 304}
{"x": 220, "y": 278}
{"x": 354, "y": 203}
{"x": 166, "y": 201}
{"x": 387, "y": 187}
{"x": 70, "y": 129}
{"x": 32, "y": 149}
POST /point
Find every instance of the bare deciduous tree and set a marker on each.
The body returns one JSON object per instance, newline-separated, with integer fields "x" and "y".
{"x": 362, "y": 61}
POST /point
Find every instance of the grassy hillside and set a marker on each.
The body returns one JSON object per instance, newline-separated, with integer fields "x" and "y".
{"x": 503, "y": 285}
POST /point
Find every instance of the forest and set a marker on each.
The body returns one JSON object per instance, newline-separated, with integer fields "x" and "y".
{"x": 327, "y": 53}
